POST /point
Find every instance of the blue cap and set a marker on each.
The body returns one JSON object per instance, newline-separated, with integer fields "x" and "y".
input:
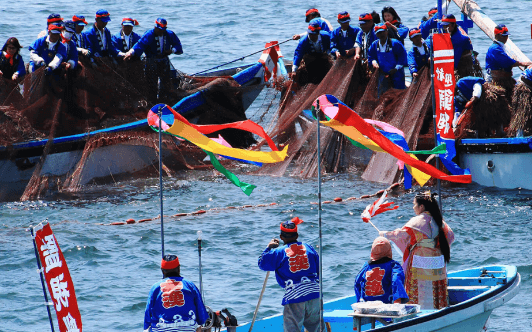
{"x": 501, "y": 29}
{"x": 79, "y": 20}
{"x": 344, "y": 17}
{"x": 365, "y": 17}
{"x": 70, "y": 26}
{"x": 447, "y": 19}
{"x": 314, "y": 27}
{"x": 161, "y": 23}
{"x": 103, "y": 15}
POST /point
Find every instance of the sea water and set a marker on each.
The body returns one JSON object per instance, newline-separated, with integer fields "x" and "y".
{"x": 113, "y": 267}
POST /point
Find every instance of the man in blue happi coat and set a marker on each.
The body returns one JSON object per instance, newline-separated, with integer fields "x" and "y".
{"x": 366, "y": 37}
{"x": 429, "y": 24}
{"x": 174, "y": 303}
{"x": 82, "y": 44}
{"x": 389, "y": 57}
{"x": 296, "y": 266}
{"x": 343, "y": 39}
{"x": 71, "y": 60}
{"x": 99, "y": 38}
{"x": 467, "y": 93}
{"x": 157, "y": 43}
{"x": 48, "y": 51}
{"x": 316, "y": 42}
{"x": 314, "y": 14}
{"x": 461, "y": 43}
{"x": 419, "y": 55}
{"x": 126, "y": 38}
{"x": 498, "y": 63}
{"x": 381, "y": 278}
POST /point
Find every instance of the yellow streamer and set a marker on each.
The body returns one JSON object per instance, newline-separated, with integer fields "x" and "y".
{"x": 195, "y": 137}
{"x": 356, "y": 135}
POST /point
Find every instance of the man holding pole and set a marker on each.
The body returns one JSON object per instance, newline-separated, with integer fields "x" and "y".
{"x": 174, "y": 304}
{"x": 296, "y": 267}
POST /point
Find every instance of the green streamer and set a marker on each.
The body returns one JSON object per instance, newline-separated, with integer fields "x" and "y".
{"x": 247, "y": 188}
{"x": 440, "y": 149}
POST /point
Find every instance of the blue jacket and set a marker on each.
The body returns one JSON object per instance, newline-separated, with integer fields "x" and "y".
{"x": 82, "y": 41}
{"x": 428, "y": 25}
{"x": 415, "y": 60}
{"x": 8, "y": 70}
{"x": 323, "y": 24}
{"x": 461, "y": 43}
{"x": 497, "y": 59}
{"x": 398, "y": 61}
{"x": 464, "y": 91}
{"x": 119, "y": 41}
{"x": 401, "y": 34}
{"x": 72, "y": 53}
{"x": 95, "y": 44}
{"x": 174, "y": 303}
{"x": 296, "y": 267}
{"x": 364, "y": 41}
{"x": 342, "y": 44}
{"x": 40, "y": 46}
{"x": 304, "y": 47}
{"x": 148, "y": 44}
{"x": 382, "y": 280}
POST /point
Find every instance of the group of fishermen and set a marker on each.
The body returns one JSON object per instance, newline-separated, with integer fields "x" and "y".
{"x": 381, "y": 47}
{"x": 65, "y": 42}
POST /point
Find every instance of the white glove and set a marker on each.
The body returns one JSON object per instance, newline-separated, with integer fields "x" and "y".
{"x": 40, "y": 61}
{"x": 120, "y": 53}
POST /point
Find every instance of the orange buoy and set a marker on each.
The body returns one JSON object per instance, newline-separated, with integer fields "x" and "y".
{"x": 247, "y": 206}
{"x": 130, "y": 221}
{"x": 273, "y": 203}
{"x": 144, "y": 220}
{"x": 117, "y": 223}
{"x": 199, "y": 212}
{"x": 338, "y": 199}
{"x": 180, "y": 214}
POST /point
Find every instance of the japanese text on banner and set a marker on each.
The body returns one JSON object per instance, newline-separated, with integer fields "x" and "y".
{"x": 444, "y": 83}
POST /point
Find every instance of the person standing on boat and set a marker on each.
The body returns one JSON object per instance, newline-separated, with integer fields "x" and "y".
{"x": 381, "y": 278}
{"x": 316, "y": 42}
{"x": 82, "y": 44}
{"x": 343, "y": 39}
{"x": 296, "y": 266}
{"x": 99, "y": 37}
{"x": 389, "y": 57}
{"x": 419, "y": 55}
{"x": 157, "y": 43}
{"x": 175, "y": 303}
{"x": 54, "y": 19}
{"x": 461, "y": 43}
{"x": 314, "y": 14}
{"x": 48, "y": 51}
{"x": 429, "y": 24}
{"x": 126, "y": 38}
{"x": 426, "y": 243}
{"x": 366, "y": 37}
{"x": 71, "y": 60}
{"x": 396, "y": 29}
{"x": 11, "y": 62}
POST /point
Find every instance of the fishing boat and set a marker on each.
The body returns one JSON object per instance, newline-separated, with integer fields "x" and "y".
{"x": 473, "y": 295}
{"x": 125, "y": 160}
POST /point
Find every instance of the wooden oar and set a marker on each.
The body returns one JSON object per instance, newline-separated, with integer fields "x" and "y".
{"x": 260, "y": 299}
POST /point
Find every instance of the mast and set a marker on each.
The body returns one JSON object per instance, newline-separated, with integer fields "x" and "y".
{"x": 319, "y": 213}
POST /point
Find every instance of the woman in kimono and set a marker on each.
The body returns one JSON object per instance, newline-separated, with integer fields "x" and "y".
{"x": 425, "y": 241}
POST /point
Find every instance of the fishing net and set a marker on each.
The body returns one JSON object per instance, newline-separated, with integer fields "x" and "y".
{"x": 468, "y": 66}
{"x": 521, "y": 110}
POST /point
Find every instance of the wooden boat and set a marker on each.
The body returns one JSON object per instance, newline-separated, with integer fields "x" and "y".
{"x": 121, "y": 161}
{"x": 473, "y": 295}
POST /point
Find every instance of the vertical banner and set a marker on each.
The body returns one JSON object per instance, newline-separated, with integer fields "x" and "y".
{"x": 444, "y": 83}
{"x": 58, "y": 280}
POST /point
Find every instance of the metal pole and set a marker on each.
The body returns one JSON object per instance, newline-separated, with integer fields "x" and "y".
{"x": 319, "y": 214}
{"x": 260, "y": 299}
{"x": 161, "y": 177}
{"x": 434, "y": 111}
{"x": 42, "y": 279}
{"x": 200, "y": 273}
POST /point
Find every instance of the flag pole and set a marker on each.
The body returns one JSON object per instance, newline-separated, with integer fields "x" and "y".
{"x": 200, "y": 272}
{"x": 161, "y": 177}
{"x": 319, "y": 214}
{"x": 438, "y": 181}
{"x": 42, "y": 279}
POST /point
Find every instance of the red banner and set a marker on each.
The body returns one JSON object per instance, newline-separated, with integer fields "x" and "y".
{"x": 444, "y": 83}
{"x": 58, "y": 280}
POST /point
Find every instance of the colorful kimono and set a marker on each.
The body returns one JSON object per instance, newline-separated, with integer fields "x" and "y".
{"x": 423, "y": 262}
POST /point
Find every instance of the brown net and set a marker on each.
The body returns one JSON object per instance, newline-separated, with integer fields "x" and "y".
{"x": 521, "y": 110}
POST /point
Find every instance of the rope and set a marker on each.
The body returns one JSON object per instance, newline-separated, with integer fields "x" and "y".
{"x": 242, "y": 58}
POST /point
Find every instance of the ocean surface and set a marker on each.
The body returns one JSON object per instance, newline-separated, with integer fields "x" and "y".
{"x": 113, "y": 267}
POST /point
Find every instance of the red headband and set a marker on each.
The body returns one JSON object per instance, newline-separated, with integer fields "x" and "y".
{"x": 135, "y": 22}
{"x": 296, "y": 221}
{"x": 55, "y": 19}
{"x": 499, "y": 31}
{"x": 54, "y": 27}
{"x": 311, "y": 11}
{"x": 313, "y": 28}
{"x": 343, "y": 17}
{"x": 414, "y": 32}
{"x": 160, "y": 24}
{"x": 102, "y": 15}
{"x": 169, "y": 265}
{"x": 77, "y": 19}
{"x": 434, "y": 11}
{"x": 450, "y": 20}
{"x": 379, "y": 27}
{"x": 366, "y": 18}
